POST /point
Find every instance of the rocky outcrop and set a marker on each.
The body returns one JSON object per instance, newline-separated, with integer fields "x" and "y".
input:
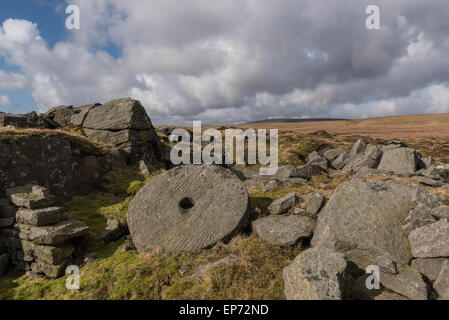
{"x": 364, "y": 219}
{"x": 125, "y": 124}
{"x": 431, "y": 241}
{"x": 315, "y": 274}
{"x": 283, "y": 204}
{"x": 188, "y": 208}
{"x": 41, "y": 240}
{"x": 284, "y": 230}
{"x": 399, "y": 161}
{"x": 67, "y": 165}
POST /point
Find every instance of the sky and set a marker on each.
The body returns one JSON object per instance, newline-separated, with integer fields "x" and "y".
{"x": 227, "y": 61}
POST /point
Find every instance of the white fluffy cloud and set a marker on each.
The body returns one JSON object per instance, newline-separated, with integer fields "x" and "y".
{"x": 5, "y": 101}
{"x": 240, "y": 60}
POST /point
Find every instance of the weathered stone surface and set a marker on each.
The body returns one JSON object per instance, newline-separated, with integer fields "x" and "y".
{"x": 61, "y": 115}
{"x": 314, "y": 202}
{"x": 284, "y": 172}
{"x": 333, "y": 154}
{"x": 427, "y": 162}
{"x": 430, "y": 241}
{"x": 315, "y": 274}
{"x": 369, "y": 172}
{"x": 441, "y": 212}
{"x": 39, "y": 217}
{"x": 20, "y": 121}
{"x": 340, "y": 161}
{"x": 57, "y": 233}
{"x": 307, "y": 171}
{"x": 49, "y": 270}
{"x": 114, "y": 230}
{"x": 125, "y": 124}
{"x": 369, "y": 158}
{"x": 188, "y": 208}
{"x": 428, "y": 199}
{"x": 357, "y": 148}
{"x": 363, "y": 219}
{"x": 283, "y": 204}
{"x": 50, "y": 254}
{"x": 202, "y": 270}
{"x": 430, "y": 268}
{"x": 386, "y": 264}
{"x": 118, "y": 114}
{"x": 399, "y": 161}
{"x": 440, "y": 172}
{"x": 58, "y": 161}
{"x": 408, "y": 282}
{"x": 271, "y": 185}
{"x": 430, "y": 182}
{"x": 441, "y": 283}
{"x": 284, "y": 230}
{"x": 418, "y": 217}
{"x": 30, "y": 196}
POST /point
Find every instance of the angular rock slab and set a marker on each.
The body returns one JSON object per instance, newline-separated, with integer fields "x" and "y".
{"x": 284, "y": 230}
{"x": 431, "y": 241}
{"x": 29, "y": 196}
{"x": 363, "y": 219}
{"x": 188, "y": 208}
{"x": 315, "y": 274}
{"x": 399, "y": 161}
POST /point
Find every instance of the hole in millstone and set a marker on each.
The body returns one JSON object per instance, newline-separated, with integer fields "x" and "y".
{"x": 186, "y": 203}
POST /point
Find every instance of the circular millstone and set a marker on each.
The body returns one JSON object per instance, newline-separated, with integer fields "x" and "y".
{"x": 188, "y": 208}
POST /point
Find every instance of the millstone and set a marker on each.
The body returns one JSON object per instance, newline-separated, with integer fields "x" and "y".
{"x": 188, "y": 208}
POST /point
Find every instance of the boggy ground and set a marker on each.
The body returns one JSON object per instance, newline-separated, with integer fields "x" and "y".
{"x": 116, "y": 274}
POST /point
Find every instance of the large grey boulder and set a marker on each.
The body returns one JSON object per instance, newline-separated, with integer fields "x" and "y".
{"x": 125, "y": 124}
{"x": 363, "y": 219}
{"x": 188, "y": 208}
{"x": 283, "y": 204}
{"x": 284, "y": 230}
{"x": 430, "y": 241}
{"x": 315, "y": 274}
{"x": 399, "y": 161}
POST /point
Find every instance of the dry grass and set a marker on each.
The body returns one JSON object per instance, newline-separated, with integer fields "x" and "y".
{"x": 401, "y": 127}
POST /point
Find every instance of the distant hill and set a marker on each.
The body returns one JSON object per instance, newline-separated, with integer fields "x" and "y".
{"x": 283, "y": 120}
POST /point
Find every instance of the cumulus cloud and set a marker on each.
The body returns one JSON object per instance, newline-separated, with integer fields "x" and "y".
{"x": 5, "y": 101}
{"x": 241, "y": 60}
